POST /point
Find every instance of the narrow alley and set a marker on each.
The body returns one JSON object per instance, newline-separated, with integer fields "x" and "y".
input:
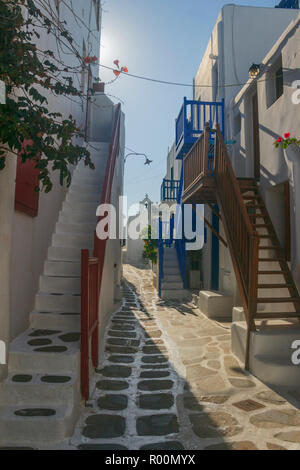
{"x": 168, "y": 380}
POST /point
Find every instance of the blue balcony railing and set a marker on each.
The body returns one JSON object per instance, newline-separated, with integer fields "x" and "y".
{"x": 169, "y": 190}
{"x": 288, "y": 4}
{"x": 191, "y": 121}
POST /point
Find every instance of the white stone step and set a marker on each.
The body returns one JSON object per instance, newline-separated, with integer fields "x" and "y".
{"x": 63, "y": 253}
{"x": 275, "y": 339}
{"x": 55, "y": 320}
{"x": 63, "y": 268}
{"x": 60, "y": 285}
{"x": 77, "y": 196}
{"x": 40, "y": 390}
{"x": 170, "y": 265}
{"x": 166, "y": 284}
{"x": 172, "y": 277}
{"x": 276, "y": 371}
{"x": 16, "y": 430}
{"x": 38, "y": 359}
{"x": 80, "y": 207}
{"x": 171, "y": 271}
{"x": 76, "y": 228}
{"x": 73, "y": 239}
{"x": 93, "y": 187}
{"x": 85, "y": 181}
{"x": 174, "y": 294}
{"x": 58, "y": 303}
{"x": 71, "y": 217}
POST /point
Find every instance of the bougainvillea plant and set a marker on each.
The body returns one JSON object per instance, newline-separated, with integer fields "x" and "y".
{"x": 28, "y": 127}
{"x": 30, "y": 75}
{"x": 286, "y": 140}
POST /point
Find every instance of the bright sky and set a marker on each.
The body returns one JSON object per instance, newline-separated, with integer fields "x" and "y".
{"x": 163, "y": 39}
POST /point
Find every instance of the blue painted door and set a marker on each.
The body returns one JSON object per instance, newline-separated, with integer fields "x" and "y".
{"x": 215, "y": 252}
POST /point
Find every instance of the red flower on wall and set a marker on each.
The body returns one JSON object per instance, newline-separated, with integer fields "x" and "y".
{"x": 286, "y": 140}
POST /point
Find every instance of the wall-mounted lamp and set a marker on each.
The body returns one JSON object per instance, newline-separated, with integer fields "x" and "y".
{"x": 254, "y": 70}
{"x": 147, "y": 160}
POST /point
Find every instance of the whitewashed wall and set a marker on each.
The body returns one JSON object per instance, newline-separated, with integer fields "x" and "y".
{"x": 32, "y": 236}
{"x": 241, "y": 36}
{"x": 277, "y": 165}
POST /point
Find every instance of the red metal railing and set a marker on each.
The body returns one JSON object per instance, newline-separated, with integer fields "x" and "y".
{"x": 92, "y": 271}
{"x": 89, "y": 317}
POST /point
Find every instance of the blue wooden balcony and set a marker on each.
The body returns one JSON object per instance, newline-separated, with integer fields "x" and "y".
{"x": 169, "y": 190}
{"x": 294, "y": 4}
{"x": 191, "y": 121}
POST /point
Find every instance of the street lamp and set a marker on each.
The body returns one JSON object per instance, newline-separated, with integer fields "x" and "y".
{"x": 147, "y": 160}
{"x": 254, "y": 70}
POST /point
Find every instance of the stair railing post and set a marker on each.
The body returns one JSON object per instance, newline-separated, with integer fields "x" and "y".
{"x": 84, "y": 338}
{"x": 252, "y": 293}
{"x": 206, "y": 148}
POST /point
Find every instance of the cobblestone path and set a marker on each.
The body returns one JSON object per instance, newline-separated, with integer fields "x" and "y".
{"x": 168, "y": 380}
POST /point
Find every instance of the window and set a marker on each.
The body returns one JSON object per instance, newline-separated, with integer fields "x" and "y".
{"x": 274, "y": 82}
{"x": 26, "y": 198}
{"x": 278, "y": 83}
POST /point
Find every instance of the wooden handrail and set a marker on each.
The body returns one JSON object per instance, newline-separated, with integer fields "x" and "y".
{"x": 196, "y": 161}
{"x": 242, "y": 239}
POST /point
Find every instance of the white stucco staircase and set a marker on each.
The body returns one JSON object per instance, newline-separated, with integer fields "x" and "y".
{"x": 39, "y": 401}
{"x": 172, "y": 285}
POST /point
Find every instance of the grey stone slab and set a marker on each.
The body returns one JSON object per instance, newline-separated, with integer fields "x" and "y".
{"x": 104, "y": 426}
{"x": 153, "y": 385}
{"x": 113, "y": 402}
{"x": 157, "y": 425}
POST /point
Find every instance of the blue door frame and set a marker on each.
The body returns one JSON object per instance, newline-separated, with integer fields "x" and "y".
{"x": 215, "y": 252}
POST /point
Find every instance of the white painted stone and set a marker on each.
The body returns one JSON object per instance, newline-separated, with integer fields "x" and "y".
{"x": 270, "y": 352}
{"x": 215, "y": 304}
{"x": 238, "y": 314}
{"x": 57, "y": 303}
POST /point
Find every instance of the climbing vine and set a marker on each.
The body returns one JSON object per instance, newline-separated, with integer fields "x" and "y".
{"x": 150, "y": 246}
{"x": 28, "y": 127}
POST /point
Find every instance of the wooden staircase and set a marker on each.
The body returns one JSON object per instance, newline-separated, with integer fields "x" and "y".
{"x": 263, "y": 275}
{"x": 265, "y": 282}
{"x": 282, "y": 290}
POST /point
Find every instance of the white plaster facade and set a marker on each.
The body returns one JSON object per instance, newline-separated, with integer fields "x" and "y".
{"x": 241, "y": 36}
{"x": 277, "y": 166}
{"x": 24, "y": 239}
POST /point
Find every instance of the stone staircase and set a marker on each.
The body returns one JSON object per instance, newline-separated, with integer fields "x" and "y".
{"x": 172, "y": 285}
{"x": 39, "y": 401}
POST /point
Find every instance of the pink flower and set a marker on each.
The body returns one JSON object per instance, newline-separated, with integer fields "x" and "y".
{"x": 287, "y": 135}
{"x": 279, "y": 140}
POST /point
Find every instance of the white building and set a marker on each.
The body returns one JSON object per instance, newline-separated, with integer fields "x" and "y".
{"x": 40, "y": 249}
{"x": 265, "y": 109}
{"x": 241, "y": 36}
